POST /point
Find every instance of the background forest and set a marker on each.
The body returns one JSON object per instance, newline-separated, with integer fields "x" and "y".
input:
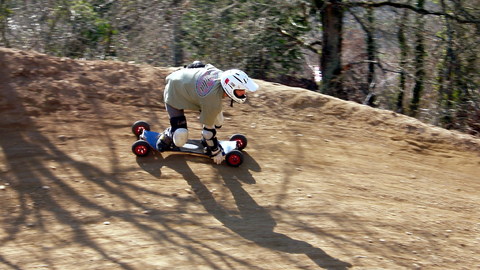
{"x": 416, "y": 57}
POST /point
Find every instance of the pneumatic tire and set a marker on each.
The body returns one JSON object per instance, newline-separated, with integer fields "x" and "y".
{"x": 234, "y": 158}
{"x": 139, "y": 126}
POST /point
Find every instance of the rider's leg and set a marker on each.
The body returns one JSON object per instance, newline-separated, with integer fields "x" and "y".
{"x": 177, "y": 132}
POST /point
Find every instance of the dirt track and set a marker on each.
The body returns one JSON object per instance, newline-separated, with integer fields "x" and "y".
{"x": 326, "y": 184}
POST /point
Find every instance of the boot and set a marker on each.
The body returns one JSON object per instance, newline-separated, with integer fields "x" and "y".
{"x": 165, "y": 141}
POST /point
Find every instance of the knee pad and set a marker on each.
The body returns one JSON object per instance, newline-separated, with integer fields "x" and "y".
{"x": 178, "y": 122}
{"x": 180, "y": 137}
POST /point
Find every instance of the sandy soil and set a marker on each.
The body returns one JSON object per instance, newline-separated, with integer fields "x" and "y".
{"x": 326, "y": 184}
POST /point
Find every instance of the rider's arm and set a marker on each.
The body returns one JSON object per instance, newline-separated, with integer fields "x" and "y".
{"x": 209, "y": 139}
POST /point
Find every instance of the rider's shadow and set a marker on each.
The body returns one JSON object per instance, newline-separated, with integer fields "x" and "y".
{"x": 152, "y": 164}
{"x": 253, "y": 222}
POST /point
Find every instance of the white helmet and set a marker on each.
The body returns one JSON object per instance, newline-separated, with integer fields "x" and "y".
{"x": 236, "y": 79}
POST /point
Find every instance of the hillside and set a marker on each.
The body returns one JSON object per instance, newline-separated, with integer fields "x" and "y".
{"x": 326, "y": 184}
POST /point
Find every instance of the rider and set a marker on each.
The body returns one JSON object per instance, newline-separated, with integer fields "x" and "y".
{"x": 201, "y": 87}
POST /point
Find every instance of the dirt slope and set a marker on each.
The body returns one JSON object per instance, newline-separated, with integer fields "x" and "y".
{"x": 326, "y": 184}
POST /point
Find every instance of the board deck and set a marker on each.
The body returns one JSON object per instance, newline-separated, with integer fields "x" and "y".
{"x": 192, "y": 146}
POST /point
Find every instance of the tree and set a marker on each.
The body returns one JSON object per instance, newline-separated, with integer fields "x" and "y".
{"x": 175, "y": 16}
{"x": 275, "y": 40}
{"x": 404, "y": 48}
{"x": 458, "y": 79}
{"x": 5, "y": 12}
{"x": 366, "y": 77}
{"x": 419, "y": 62}
{"x": 331, "y": 16}
{"x": 247, "y": 35}
{"x": 458, "y": 82}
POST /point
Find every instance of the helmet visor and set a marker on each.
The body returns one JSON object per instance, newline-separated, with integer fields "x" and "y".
{"x": 251, "y": 85}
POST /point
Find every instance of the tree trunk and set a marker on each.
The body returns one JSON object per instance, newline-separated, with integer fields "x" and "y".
{"x": 402, "y": 41}
{"x": 445, "y": 80}
{"x": 4, "y": 14}
{"x": 419, "y": 62}
{"x": 371, "y": 50}
{"x": 177, "y": 47}
{"x": 371, "y": 47}
{"x": 331, "y": 62}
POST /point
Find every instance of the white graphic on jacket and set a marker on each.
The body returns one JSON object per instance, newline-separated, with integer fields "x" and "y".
{"x": 206, "y": 82}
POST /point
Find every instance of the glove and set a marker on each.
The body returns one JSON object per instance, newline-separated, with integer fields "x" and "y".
{"x": 217, "y": 156}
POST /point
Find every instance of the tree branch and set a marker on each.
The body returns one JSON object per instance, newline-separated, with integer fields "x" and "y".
{"x": 301, "y": 42}
{"x": 412, "y": 8}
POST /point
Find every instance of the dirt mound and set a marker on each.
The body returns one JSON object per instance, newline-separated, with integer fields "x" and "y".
{"x": 40, "y": 85}
{"x": 325, "y": 184}
{"x": 313, "y": 107}
{"x": 50, "y": 84}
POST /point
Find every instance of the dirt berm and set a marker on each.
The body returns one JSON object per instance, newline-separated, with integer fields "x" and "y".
{"x": 326, "y": 184}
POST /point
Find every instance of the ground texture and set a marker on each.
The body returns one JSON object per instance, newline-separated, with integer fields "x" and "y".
{"x": 326, "y": 184}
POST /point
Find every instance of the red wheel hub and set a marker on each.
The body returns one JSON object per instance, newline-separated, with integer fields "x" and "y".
{"x": 141, "y": 149}
{"x": 139, "y": 130}
{"x": 239, "y": 143}
{"x": 234, "y": 159}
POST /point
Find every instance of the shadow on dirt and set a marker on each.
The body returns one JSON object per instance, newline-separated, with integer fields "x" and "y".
{"x": 254, "y": 223}
{"x": 39, "y": 198}
{"x": 27, "y": 148}
{"x": 153, "y": 164}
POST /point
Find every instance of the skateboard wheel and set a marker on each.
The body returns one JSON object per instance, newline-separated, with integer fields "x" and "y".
{"x": 141, "y": 148}
{"x": 241, "y": 141}
{"x": 139, "y": 126}
{"x": 234, "y": 158}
